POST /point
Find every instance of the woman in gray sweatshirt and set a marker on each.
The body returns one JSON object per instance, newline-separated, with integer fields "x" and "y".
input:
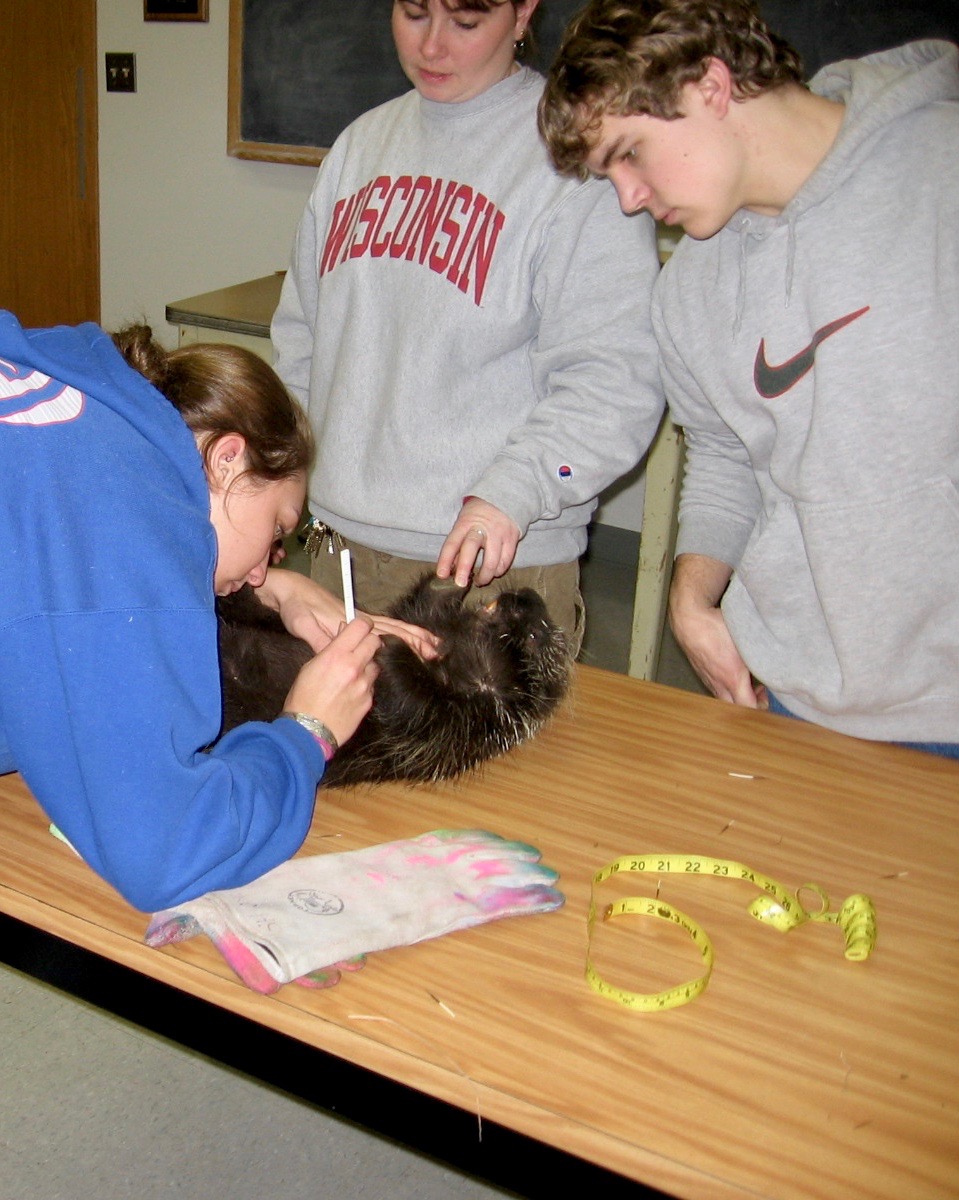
{"x": 468, "y": 329}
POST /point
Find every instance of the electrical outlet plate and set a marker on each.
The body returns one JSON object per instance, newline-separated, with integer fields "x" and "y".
{"x": 121, "y": 72}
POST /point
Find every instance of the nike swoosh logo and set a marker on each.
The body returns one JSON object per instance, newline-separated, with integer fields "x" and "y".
{"x": 775, "y": 381}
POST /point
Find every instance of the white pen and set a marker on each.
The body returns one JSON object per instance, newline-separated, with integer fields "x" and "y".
{"x": 347, "y": 584}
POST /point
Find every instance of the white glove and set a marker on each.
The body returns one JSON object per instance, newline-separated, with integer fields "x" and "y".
{"x": 335, "y": 908}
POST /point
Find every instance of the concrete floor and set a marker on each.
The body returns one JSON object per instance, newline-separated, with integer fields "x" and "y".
{"x": 95, "y": 1108}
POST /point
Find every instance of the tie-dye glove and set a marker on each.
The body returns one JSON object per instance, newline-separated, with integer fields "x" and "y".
{"x": 333, "y": 908}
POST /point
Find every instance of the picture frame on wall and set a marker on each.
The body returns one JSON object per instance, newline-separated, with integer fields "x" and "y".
{"x": 176, "y": 10}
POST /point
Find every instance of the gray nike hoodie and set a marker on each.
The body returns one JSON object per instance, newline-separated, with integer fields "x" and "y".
{"x": 813, "y": 359}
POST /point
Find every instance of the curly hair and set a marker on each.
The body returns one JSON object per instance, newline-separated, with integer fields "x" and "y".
{"x": 223, "y": 389}
{"x": 625, "y": 57}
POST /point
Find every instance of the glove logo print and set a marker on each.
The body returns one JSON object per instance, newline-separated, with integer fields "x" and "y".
{"x": 773, "y": 381}
{"x": 317, "y": 904}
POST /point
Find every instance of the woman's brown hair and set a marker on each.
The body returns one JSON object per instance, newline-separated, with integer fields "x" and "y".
{"x": 223, "y": 389}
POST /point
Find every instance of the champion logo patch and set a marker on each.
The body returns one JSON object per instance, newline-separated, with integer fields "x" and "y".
{"x": 565, "y": 472}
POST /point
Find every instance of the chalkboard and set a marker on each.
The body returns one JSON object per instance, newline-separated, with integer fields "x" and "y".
{"x": 302, "y": 70}
{"x": 824, "y": 31}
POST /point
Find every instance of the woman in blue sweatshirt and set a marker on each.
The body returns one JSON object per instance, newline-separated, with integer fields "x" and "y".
{"x": 124, "y": 508}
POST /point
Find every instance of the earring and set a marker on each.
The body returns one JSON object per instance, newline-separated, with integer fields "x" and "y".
{"x": 230, "y": 457}
{"x": 519, "y": 46}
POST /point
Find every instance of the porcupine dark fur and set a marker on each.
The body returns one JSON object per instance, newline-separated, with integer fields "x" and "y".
{"x": 501, "y": 672}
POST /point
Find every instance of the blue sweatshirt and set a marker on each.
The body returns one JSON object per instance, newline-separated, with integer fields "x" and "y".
{"x": 109, "y": 679}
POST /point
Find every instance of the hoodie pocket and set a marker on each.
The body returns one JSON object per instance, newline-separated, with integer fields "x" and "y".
{"x": 857, "y": 606}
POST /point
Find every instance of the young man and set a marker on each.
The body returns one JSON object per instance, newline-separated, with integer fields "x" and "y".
{"x": 809, "y": 337}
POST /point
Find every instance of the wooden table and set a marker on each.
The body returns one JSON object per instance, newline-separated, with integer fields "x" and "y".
{"x": 797, "y": 1073}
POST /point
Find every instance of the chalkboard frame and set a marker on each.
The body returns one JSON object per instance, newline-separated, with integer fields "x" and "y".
{"x": 237, "y": 146}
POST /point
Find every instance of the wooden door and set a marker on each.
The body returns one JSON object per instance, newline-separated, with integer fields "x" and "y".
{"x": 49, "y": 222}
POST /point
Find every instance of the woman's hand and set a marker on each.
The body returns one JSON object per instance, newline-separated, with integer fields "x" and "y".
{"x": 479, "y": 527}
{"x": 421, "y": 641}
{"x": 336, "y": 686}
{"x": 701, "y": 631}
{"x": 307, "y": 610}
{"x": 312, "y": 613}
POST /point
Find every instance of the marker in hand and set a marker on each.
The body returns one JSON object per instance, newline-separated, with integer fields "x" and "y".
{"x": 347, "y": 572}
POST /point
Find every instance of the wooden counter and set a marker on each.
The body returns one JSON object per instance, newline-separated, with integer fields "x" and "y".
{"x": 797, "y": 1074}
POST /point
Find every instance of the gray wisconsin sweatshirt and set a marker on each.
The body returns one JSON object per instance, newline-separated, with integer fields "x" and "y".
{"x": 813, "y": 359}
{"x": 461, "y": 320}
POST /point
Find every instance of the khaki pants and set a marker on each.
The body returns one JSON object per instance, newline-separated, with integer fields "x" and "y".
{"x": 379, "y": 579}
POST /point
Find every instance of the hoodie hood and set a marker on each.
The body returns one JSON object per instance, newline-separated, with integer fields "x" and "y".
{"x": 877, "y": 91}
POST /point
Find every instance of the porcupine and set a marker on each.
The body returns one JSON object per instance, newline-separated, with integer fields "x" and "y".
{"x": 501, "y": 672}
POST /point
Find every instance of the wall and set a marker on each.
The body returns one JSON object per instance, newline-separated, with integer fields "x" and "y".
{"x": 178, "y": 216}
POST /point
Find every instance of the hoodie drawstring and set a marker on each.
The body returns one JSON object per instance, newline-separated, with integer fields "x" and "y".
{"x": 744, "y": 235}
{"x": 741, "y": 290}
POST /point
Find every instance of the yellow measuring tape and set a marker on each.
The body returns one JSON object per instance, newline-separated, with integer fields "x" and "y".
{"x": 776, "y": 907}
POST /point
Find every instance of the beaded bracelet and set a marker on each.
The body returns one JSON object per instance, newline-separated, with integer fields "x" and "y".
{"x": 328, "y": 743}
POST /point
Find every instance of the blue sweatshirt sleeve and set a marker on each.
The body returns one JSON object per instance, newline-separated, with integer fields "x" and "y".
{"x": 106, "y": 714}
{"x": 109, "y": 672}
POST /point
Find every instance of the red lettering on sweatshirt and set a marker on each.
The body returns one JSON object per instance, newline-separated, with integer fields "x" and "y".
{"x": 381, "y": 241}
{"x": 481, "y": 252}
{"x": 450, "y": 229}
{"x": 429, "y": 218}
{"x": 368, "y": 218}
{"x": 340, "y": 223}
{"x": 439, "y": 224}
{"x": 403, "y": 233}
